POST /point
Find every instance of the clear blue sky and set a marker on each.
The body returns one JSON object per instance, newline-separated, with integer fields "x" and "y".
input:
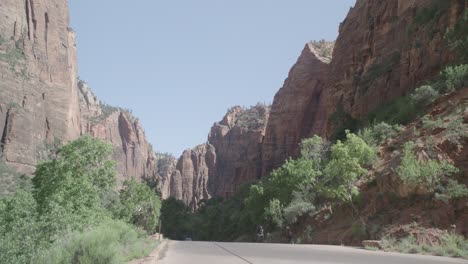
{"x": 179, "y": 65}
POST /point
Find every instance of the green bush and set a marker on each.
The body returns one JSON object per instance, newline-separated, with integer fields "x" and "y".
{"x": 140, "y": 205}
{"x": 456, "y": 77}
{"x": 71, "y": 194}
{"x": 378, "y": 133}
{"x": 301, "y": 204}
{"x": 424, "y": 95}
{"x": 274, "y": 213}
{"x": 429, "y": 173}
{"x": 456, "y": 130}
{"x": 450, "y": 245}
{"x": 110, "y": 242}
{"x": 399, "y": 111}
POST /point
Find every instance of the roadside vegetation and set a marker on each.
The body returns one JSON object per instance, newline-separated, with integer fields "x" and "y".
{"x": 71, "y": 213}
{"x": 326, "y": 175}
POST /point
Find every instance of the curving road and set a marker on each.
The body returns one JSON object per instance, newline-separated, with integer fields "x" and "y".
{"x": 242, "y": 253}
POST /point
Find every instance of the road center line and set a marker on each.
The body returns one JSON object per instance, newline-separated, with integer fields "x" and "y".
{"x": 232, "y": 253}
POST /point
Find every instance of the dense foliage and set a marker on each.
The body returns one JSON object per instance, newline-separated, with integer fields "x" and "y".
{"x": 139, "y": 205}
{"x": 324, "y": 174}
{"x": 71, "y": 213}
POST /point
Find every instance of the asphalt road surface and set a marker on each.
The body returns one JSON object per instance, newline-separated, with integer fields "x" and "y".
{"x": 242, "y": 253}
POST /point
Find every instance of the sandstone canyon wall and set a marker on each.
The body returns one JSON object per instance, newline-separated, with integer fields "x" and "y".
{"x": 41, "y": 101}
{"x": 230, "y": 158}
{"x": 384, "y": 50}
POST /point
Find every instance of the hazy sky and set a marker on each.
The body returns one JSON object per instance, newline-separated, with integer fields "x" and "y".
{"x": 179, "y": 65}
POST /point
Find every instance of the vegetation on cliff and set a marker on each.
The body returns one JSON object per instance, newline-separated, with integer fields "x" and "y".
{"x": 71, "y": 212}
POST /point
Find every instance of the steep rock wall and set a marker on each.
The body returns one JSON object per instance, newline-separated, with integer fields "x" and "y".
{"x": 295, "y": 106}
{"x": 41, "y": 101}
{"x": 383, "y": 51}
{"x": 230, "y": 159}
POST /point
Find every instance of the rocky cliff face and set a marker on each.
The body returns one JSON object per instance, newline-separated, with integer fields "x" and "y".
{"x": 230, "y": 158}
{"x": 38, "y": 92}
{"x": 41, "y": 102}
{"x": 383, "y": 51}
{"x": 295, "y": 106}
{"x": 134, "y": 155}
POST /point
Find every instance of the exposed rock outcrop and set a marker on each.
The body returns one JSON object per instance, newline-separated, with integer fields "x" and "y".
{"x": 41, "y": 101}
{"x": 383, "y": 51}
{"x": 230, "y": 158}
{"x": 295, "y": 106}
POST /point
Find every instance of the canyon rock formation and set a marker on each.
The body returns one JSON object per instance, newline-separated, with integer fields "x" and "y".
{"x": 230, "y": 159}
{"x": 41, "y": 100}
{"x": 384, "y": 50}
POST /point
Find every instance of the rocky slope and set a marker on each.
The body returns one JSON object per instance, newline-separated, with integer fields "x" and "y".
{"x": 41, "y": 102}
{"x": 387, "y": 203}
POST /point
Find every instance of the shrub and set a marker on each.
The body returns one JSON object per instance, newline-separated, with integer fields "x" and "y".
{"x": 424, "y": 95}
{"x": 110, "y": 242}
{"x": 456, "y": 130}
{"x": 432, "y": 124}
{"x": 456, "y": 77}
{"x": 274, "y": 213}
{"x": 428, "y": 173}
{"x": 399, "y": 111}
{"x": 301, "y": 204}
{"x": 377, "y": 133}
{"x": 450, "y": 245}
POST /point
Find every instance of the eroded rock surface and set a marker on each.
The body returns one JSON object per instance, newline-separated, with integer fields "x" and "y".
{"x": 41, "y": 101}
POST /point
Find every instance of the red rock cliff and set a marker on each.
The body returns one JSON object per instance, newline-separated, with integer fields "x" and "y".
{"x": 230, "y": 158}
{"x": 41, "y": 101}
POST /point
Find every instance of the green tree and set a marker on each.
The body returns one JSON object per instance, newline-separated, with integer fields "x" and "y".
{"x": 175, "y": 218}
{"x": 68, "y": 189}
{"x": 348, "y": 163}
{"x": 140, "y": 205}
{"x": 20, "y": 231}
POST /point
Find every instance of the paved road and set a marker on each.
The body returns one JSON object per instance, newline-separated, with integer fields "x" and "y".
{"x": 242, "y": 253}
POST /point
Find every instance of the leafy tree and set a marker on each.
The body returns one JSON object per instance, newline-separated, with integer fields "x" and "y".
{"x": 140, "y": 205}
{"x": 174, "y": 218}
{"x": 20, "y": 231}
{"x": 68, "y": 189}
{"x": 347, "y": 165}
